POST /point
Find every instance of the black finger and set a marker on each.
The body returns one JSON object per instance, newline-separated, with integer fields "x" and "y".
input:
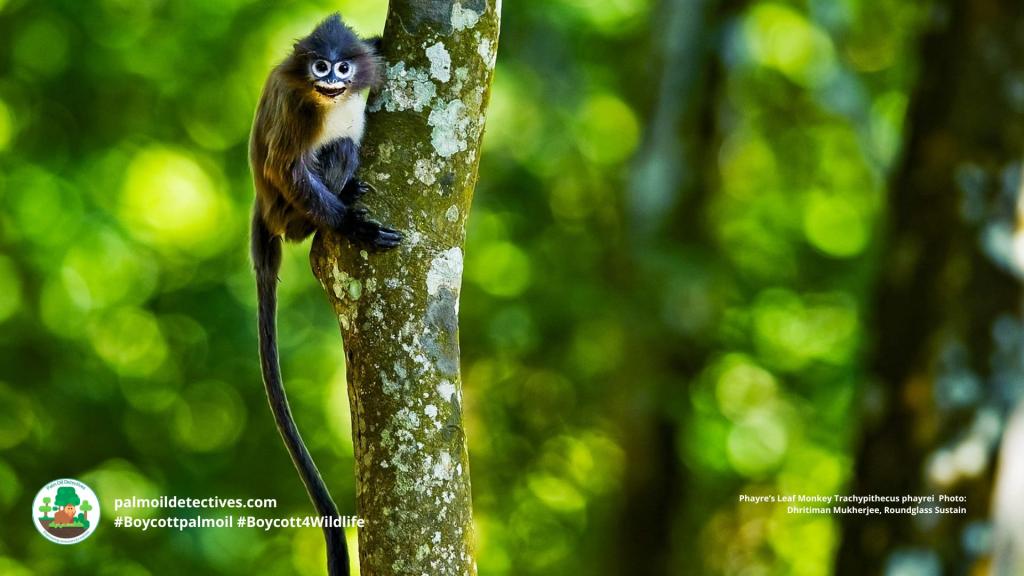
{"x": 386, "y": 243}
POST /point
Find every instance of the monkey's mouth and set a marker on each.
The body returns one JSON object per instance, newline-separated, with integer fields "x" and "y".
{"x": 330, "y": 92}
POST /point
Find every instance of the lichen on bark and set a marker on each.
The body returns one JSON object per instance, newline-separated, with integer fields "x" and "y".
{"x": 398, "y": 310}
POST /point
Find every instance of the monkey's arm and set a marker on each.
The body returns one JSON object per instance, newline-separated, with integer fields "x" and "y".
{"x": 304, "y": 190}
{"x": 337, "y": 162}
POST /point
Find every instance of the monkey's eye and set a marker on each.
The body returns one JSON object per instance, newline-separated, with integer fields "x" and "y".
{"x": 321, "y": 68}
{"x": 344, "y": 70}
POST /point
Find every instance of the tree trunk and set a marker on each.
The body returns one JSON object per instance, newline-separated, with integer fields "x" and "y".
{"x": 398, "y": 310}
{"x": 948, "y": 325}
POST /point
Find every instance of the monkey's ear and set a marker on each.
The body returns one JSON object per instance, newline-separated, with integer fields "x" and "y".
{"x": 376, "y": 43}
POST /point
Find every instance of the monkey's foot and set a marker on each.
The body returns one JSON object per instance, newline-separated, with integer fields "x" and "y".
{"x": 360, "y": 228}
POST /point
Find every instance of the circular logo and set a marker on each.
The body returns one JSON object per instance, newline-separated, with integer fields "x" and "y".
{"x": 66, "y": 511}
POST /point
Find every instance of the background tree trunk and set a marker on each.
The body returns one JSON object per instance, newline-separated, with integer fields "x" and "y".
{"x": 674, "y": 178}
{"x": 398, "y": 310}
{"x": 948, "y": 305}
{"x": 665, "y": 175}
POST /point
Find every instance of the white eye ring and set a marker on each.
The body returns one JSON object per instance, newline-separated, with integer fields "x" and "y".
{"x": 320, "y": 68}
{"x": 348, "y": 71}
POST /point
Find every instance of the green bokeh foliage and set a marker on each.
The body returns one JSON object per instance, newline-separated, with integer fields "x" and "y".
{"x": 127, "y": 331}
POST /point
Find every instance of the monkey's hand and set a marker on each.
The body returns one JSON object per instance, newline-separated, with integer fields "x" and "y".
{"x": 363, "y": 188}
{"x": 358, "y": 227}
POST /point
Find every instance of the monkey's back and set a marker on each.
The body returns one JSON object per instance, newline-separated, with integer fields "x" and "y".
{"x": 282, "y": 129}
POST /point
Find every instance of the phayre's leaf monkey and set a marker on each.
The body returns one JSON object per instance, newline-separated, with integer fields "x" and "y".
{"x": 304, "y": 152}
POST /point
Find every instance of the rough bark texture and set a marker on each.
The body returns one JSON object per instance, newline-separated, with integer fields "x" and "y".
{"x": 948, "y": 354}
{"x": 398, "y": 310}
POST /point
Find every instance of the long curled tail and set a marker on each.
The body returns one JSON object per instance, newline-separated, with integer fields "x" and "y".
{"x": 266, "y": 255}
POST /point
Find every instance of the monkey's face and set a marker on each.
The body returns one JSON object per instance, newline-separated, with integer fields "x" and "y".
{"x": 333, "y": 63}
{"x": 332, "y": 78}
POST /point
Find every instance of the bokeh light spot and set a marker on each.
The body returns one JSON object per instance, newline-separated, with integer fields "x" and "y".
{"x": 10, "y": 488}
{"x": 101, "y": 269}
{"x": 175, "y": 204}
{"x": 226, "y": 549}
{"x": 16, "y": 417}
{"x": 129, "y": 340}
{"x": 6, "y": 126}
{"x": 11, "y": 567}
{"x": 781, "y": 38}
{"x": 557, "y": 493}
{"x": 611, "y": 17}
{"x": 608, "y": 129}
{"x": 209, "y": 416}
{"x": 51, "y": 214}
{"x": 790, "y": 332}
{"x": 10, "y": 288}
{"x": 41, "y": 47}
{"x": 758, "y": 442}
{"x": 120, "y": 479}
{"x": 153, "y": 393}
{"x": 835, "y": 225}
{"x": 743, "y": 386}
{"x": 806, "y": 541}
{"x": 308, "y": 549}
{"x": 597, "y": 347}
{"x": 60, "y": 307}
{"x": 500, "y": 269}
{"x": 513, "y": 122}
{"x": 122, "y": 568}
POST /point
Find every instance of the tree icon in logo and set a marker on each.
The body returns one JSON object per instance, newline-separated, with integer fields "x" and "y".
{"x": 46, "y": 508}
{"x": 71, "y": 503}
{"x": 85, "y": 507}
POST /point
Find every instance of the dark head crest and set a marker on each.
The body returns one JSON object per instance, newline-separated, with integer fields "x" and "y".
{"x": 331, "y": 39}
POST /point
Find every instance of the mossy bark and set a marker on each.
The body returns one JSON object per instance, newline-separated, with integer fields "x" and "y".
{"x": 398, "y": 310}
